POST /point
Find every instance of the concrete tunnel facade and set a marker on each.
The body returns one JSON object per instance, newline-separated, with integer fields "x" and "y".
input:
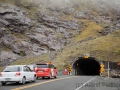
{"x": 86, "y": 66}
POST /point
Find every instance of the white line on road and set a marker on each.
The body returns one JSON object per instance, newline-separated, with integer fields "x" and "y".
{"x": 85, "y": 83}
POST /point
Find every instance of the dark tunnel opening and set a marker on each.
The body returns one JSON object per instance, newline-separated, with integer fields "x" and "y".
{"x": 86, "y": 66}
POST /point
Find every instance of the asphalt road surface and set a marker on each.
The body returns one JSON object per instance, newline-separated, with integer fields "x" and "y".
{"x": 68, "y": 83}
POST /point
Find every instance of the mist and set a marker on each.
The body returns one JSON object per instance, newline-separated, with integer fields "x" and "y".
{"x": 114, "y": 4}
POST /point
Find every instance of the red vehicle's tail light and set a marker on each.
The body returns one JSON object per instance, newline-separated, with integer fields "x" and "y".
{"x": 17, "y": 74}
{"x": 0, "y": 75}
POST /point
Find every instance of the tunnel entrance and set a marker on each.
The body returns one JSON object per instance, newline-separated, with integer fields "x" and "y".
{"x": 86, "y": 66}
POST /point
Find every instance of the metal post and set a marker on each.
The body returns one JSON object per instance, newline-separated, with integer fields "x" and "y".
{"x": 108, "y": 70}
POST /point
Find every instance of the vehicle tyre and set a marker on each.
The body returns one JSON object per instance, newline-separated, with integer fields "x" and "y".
{"x": 17, "y": 82}
{"x": 3, "y": 83}
{"x": 37, "y": 77}
{"x": 23, "y": 80}
{"x": 55, "y": 76}
{"x": 43, "y": 77}
{"x": 34, "y": 78}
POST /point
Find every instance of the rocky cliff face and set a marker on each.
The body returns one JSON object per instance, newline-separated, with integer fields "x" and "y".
{"x": 24, "y": 32}
{"x": 21, "y": 36}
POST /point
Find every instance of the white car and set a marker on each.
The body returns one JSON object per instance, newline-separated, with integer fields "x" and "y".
{"x": 18, "y": 74}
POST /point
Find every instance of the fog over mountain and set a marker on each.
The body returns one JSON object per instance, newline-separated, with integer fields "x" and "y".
{"x": 112, "y": 3}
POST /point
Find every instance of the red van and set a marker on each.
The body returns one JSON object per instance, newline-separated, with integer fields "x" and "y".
{"x": 45, "y": 70}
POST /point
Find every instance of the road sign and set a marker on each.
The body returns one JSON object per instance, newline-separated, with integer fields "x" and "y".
{"x": 70, "y": 68}
{"x": 102, "y": 68}
{"x": 102, "y": 65}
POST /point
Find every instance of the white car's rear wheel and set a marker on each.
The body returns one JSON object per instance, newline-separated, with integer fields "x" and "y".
{"x": 23, "y": 80}
{"x": 34, "y": 79}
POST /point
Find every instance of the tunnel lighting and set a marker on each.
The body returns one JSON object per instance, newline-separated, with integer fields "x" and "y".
{"x": 85, "y": 56}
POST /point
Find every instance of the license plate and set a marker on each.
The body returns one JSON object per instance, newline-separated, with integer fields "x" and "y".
{"x": 40, "y": 71}
{"x": 7, "y": 79}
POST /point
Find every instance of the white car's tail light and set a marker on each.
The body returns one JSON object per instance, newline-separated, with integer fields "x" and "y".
{"x": 37, "y": 70}
{"x": 0, "y": 75}
{"x": 17, "y": 74}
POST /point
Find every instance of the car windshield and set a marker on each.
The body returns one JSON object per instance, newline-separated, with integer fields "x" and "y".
{"x": 42, "y": 66}
{"x": 12, "y": 69}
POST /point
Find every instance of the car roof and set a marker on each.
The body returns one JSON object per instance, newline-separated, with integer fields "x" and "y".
{"x": 17, "y": 65}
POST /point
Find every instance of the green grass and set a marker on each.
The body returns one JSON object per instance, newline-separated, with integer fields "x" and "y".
{"x": 32, "y": 59}
{"x": 7, "y": 1}
{"x": 5, "y": 49}
{"x": 29, "y": 60}
{"x": 91, "y": 30}
{"x": 1, "y": 68}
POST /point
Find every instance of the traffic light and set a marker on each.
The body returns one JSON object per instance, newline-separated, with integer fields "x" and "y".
{"x": 102, "y": 68}
{"x": 70, "y": 68}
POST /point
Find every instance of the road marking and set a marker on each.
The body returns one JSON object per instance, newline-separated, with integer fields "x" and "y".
{"x": 85, "y": 83}
{"x": 36, "y": 84}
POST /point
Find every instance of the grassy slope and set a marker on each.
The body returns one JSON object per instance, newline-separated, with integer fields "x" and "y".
{"x": 103, "y": 48}
{"x": 30, "y": 60}
{"x": 91, "y": 30}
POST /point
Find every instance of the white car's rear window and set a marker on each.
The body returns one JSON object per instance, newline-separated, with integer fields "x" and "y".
{"x": 12, "y": 69}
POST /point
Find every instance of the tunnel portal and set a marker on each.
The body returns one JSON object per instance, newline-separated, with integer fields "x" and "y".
{"x": 86, "y": 66}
